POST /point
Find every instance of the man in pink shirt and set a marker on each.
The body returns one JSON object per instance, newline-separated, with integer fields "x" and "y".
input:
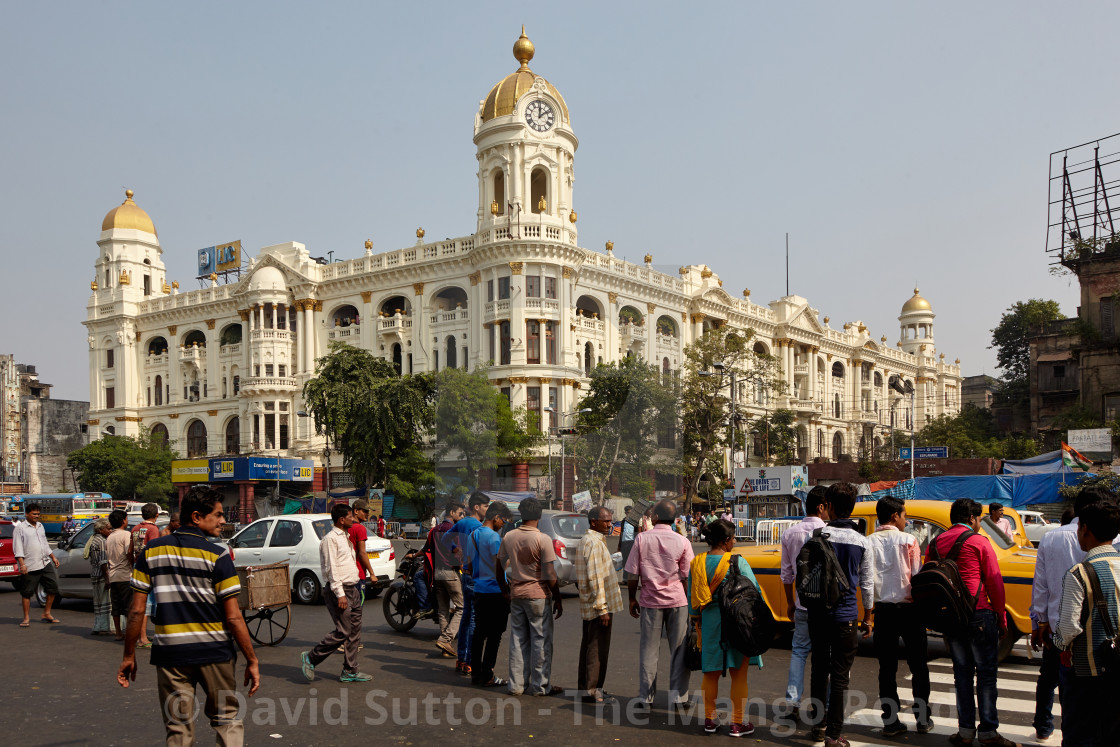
{"x": 975, "y": 652}
{"x": 661, "y": 559}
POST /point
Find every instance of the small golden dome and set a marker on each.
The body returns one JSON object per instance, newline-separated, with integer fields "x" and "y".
{"x": 916, "y": 303}
{"x": 572, "y": 217}
{"x": 128, "y": 215}
{"x": 503, "y": 98}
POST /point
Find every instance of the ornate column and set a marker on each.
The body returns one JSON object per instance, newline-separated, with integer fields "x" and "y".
{"x": 212, "y": 365}
{"x": 367, "y": 324}
{"x": 420, "y": 331}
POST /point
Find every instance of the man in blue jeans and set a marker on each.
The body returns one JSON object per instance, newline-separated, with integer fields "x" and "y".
{"x": 975, "y": 651}
{"x": 816, "y": 514}
{"x": 464, "y": 527}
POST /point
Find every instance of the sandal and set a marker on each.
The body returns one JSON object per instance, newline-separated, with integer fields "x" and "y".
{"x": 554, "y": 690}
{"x": 495, "y": 682}
{"x": 48, "y": 620}
{"x": 25, "y": 625}
{"x": 144, "y": 645}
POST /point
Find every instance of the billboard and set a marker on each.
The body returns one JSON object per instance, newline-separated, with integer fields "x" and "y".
{"x": 190, "y": 470}
{"x": 763, "y": 481}
{"x": 228, "y": 256}
{"x": 206, "y": 261}
{"x": 1093, "y": 443}
{"x": 261, "y": 468}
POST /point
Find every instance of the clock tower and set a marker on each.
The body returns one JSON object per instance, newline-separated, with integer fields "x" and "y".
{"x": 526, "y": 154}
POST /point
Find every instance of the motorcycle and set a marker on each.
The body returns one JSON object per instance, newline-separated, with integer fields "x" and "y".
{"x": 400, "y": 604}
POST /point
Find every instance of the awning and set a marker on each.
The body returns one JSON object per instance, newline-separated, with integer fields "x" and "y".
{"x": 1054, "y": 357}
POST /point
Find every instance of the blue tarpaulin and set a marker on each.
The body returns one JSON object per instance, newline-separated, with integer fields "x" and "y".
{"x": 1048, "y": 463}
{"x": 1010, "y": 490}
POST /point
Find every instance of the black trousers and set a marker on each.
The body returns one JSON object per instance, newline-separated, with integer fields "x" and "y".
{"x": 1094, "y": 719}
{"x": 894, "y": 621}
{"x": 594, "y": 650}
{"x": 491, "y": 615}
{"x": 834, "y": 650}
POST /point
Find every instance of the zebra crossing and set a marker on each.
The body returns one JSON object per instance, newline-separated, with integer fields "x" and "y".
{"x": 1018, "y": 676}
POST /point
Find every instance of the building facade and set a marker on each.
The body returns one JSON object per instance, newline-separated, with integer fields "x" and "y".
{"x": 220, "y": 370}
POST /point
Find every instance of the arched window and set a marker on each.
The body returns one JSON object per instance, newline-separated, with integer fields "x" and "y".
{"x": 630, "y": 315}
{"x": 159, "y": 390}
{"x": 666, "y": 326}
{"x": 157, "y": 346}
{"x": 836, "y": 410}
{"x": 589, "y": 307}
{"x": 500, "y": 191}
{"x": 231, "y": 335}
{"x": 397, "y": 362}
{"x": 344, "y": 316}
{"x": 878, "y": 380}
{"x": 159, "y": 434}
{"x": 390, "y": 306}
{"x": 837, "y": 447}
{"x": 838, "y": 370}
{"x": 538, "y": 189}
{"x": 233, "y": 436}
{"x": 452, "y": 352}
{"x": 195, "y": 337}
{"x": 196, "y": 439}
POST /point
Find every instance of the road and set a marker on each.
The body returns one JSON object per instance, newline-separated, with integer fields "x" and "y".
{"x": 61, "y": 689}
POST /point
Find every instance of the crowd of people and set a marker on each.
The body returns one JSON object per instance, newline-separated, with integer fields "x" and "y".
{"x": 482, "y": 580}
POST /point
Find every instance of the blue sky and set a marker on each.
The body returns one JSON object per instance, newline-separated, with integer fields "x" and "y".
{"x": 895, "y": 142}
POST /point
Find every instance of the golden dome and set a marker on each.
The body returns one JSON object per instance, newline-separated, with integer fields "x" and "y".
{"x": 128, "y": 215}
{"x": 503, "y": 98}
{"x": 916, "y": 303}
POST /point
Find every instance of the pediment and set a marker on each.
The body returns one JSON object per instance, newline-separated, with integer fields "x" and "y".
{"x": 806, "y": 321}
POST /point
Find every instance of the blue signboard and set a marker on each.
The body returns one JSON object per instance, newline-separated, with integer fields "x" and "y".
{"x": 207, "y": 261}
{"x": 262, "y": 468}
{"x": 925, "y": 452}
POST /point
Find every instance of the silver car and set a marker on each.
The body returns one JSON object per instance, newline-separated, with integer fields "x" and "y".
{"x": 565, "y": 529}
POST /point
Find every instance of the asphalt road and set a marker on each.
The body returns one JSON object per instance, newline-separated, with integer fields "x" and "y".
{"x": 60, "y": 689}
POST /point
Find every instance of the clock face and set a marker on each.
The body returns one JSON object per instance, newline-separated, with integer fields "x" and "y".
{"x": 539, "y": 115}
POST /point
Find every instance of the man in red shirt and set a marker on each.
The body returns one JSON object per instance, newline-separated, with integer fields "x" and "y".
{"x": 143, "y": 533}
{"x": 975, "y": 652}
{"x": 358, "y": 536}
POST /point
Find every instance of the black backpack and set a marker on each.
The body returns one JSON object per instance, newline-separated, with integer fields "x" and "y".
{"x": 821, "y": 580}
{"x": 940, "y": 595}
{"x": 746, "y": 623}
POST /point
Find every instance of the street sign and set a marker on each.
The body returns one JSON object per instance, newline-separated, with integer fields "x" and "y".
{"x": 566, "y": 431}
{"x": 925, "y": 452}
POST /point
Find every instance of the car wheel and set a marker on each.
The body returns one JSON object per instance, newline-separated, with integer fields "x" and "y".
{"x": 307, "y": 588}
{"x": 1007, "y": 644}
{"x": 41, "y": 596}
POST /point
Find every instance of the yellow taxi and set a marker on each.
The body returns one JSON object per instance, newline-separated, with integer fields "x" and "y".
{"x": 925, "y": 520}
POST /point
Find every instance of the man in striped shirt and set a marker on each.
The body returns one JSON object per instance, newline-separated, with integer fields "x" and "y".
{"x": 1089, "y": 713}
{"x": 197, "y": 621}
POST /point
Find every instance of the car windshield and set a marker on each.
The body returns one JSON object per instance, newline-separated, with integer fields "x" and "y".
{"x": 321, "y": 527}
{"x": 570, "y": 526}
{"x": 7, "y": 531}
{"x": 996, "y": 534}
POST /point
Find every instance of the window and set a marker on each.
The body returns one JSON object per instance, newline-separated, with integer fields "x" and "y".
{"x": 286, "y": 534}
{"x": 149, "y": 396}
{"x": 550, "y": 342}
{"x": 109, "y": 358}
{"x": 533, "y": 341}
{"x": 588, "y": 358}
{"x": 236, "y": 384}
{"x": 505, "y": 341}
{"x": 924, "y": 531}
{"x": 489, "y": 290}
{"x": 1106, "y": 317}
{"x": 257, "y": 370}
{"x": 500, "y": 191}
{"x": 550, "y": 288}
{"x": 282, "y": 370}
{"x": 533, "y": 402}
{"x": 110, "y": 397}
{"x": 147, "y": 285}
{"x": 553, "y": 398}
{"x": 268, "y": 369}
{"x": 435, "y": 360}
{"x": 252, "y": 535}
{"x": 503, "y": 288}
{"x": 508, "y": 394}
{"x": 233, "y": 436}
{"x": 493, "y": 350}
{"x": 196, "y": 439}
{"x": 452, "y": 350}
{"x": 533, "y": 286}
{"x": 283, "y": 431}
{"x": 837, "y": 446}
{"x": 836, "y": 411}
{"x": 820, "y": 441}
{"x": 538, "y": 189}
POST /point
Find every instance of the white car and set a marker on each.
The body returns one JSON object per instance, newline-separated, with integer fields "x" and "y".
{"x": 295, "y": 538}
{"x": 1035, "y": 525}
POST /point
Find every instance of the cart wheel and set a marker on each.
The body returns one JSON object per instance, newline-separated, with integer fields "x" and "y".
{"x": 268, "y": 625}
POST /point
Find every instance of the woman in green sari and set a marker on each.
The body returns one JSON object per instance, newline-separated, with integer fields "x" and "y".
{"x": 706, "y": 576}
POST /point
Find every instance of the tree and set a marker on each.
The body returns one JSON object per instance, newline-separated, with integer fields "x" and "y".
{"x": 126, "y": 467}
{"x": 704, "y": 404}
{"x": 375, "y": 417}
{"x": 778, "y": 429}
{"x": 629, "y": 404}
{"x": 972, "y": 434}
{"x": 1010, "y": 338}
{"x": 466, "y": 419}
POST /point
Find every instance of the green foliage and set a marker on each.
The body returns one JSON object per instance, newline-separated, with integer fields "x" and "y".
{"x": 466, "y": 420}
{"x": 519, "y": 431}
{"x": 630, "y": 404}
{"x": 704, "y": 402}
{"x": 376, "y": 418}
{"x": 126, "y": 467}
{"x": 1076, "y": 417}
{"x": 1108, "y": 480}
{"x": 778, "y": 430}
{"x": 972, "y": 434}
{"x": 1010, "y": 338}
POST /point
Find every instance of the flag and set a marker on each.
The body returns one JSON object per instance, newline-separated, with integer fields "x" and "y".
{"x": 1071, "y": 457}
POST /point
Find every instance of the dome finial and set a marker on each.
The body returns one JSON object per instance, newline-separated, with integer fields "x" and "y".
{"x": 523, "y": 49}
{"x": 915, "y": 290}
{"x": 128, "y": 194}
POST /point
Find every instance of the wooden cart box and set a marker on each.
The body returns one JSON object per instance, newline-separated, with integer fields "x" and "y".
{"x": 264, "y": 586}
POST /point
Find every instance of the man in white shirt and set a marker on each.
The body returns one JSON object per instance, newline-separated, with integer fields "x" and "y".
{"x": 1057, "y": 553}
{"x": 36, "y": 562}
{"x": 895, "y": 557}
{"x": 342, "y": 599}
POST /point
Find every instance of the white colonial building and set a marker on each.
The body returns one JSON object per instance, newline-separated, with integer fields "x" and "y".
{"x": 221, "y": 369}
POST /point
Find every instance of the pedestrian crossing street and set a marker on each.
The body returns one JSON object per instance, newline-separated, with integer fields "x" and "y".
{"x": 1018, "y": 675}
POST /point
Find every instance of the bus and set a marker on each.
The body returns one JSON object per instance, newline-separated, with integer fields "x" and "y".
{"x": 83, "y": 507}
{"x": 11, "y": 506}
